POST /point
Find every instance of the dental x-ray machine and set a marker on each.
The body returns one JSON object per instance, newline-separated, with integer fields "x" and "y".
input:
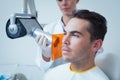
{"x": 21, "y": 24}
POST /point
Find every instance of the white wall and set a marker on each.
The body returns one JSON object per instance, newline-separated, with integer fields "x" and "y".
{"x": 23, "y": 50}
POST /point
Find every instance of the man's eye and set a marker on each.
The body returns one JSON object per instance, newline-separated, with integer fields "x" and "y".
{"x": 76, "y": 35}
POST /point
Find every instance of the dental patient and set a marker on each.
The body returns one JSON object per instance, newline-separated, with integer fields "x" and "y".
{"x": 83, "y": 37}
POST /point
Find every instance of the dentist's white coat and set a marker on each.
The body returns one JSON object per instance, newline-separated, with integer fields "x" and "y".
{"x": 56, "y": 27}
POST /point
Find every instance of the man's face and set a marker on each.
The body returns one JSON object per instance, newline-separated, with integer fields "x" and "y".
{"x": 67, "y": 6}
{"x": 76, "y": 42}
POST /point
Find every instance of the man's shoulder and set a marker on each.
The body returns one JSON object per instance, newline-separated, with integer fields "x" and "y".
{"x": 100, "y": 75}
{"x": 60, "y": 68}
{"x": 56, "y": 72}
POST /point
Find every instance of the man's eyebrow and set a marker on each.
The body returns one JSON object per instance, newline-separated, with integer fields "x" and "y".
{"x": 72, "y": 32}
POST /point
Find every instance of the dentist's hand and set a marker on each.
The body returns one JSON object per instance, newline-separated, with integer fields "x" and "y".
{"x": 42, "y": 42}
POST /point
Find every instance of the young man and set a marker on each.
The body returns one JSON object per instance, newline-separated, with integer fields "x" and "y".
{"x": 43, "y": 59}
{"x": 83, "y": 37}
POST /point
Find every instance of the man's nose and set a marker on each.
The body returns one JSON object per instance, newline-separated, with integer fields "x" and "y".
{"x": 66, "y": 39}
{"x": 64, "y": 2}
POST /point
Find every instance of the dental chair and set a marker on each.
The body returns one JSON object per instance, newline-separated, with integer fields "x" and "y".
{"x": 110, "y": 64}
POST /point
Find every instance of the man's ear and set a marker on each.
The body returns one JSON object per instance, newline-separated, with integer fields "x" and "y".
{"x": 97, "y": 44}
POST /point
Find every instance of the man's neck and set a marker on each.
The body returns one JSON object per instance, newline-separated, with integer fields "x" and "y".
{"x": 81, "y": 67}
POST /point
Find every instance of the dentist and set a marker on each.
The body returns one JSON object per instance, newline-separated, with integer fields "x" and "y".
{"x": 43, "y": 57}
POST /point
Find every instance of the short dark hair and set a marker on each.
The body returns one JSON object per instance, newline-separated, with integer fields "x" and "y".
{"x": 98, "y": 23}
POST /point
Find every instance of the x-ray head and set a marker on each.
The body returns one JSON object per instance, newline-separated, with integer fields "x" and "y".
{"x": 22, "y": 27}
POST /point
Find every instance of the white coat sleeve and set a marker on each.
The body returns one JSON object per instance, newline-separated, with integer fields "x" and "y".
{"x": 43, "y": 65}
{"x": 39, "y": 60}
